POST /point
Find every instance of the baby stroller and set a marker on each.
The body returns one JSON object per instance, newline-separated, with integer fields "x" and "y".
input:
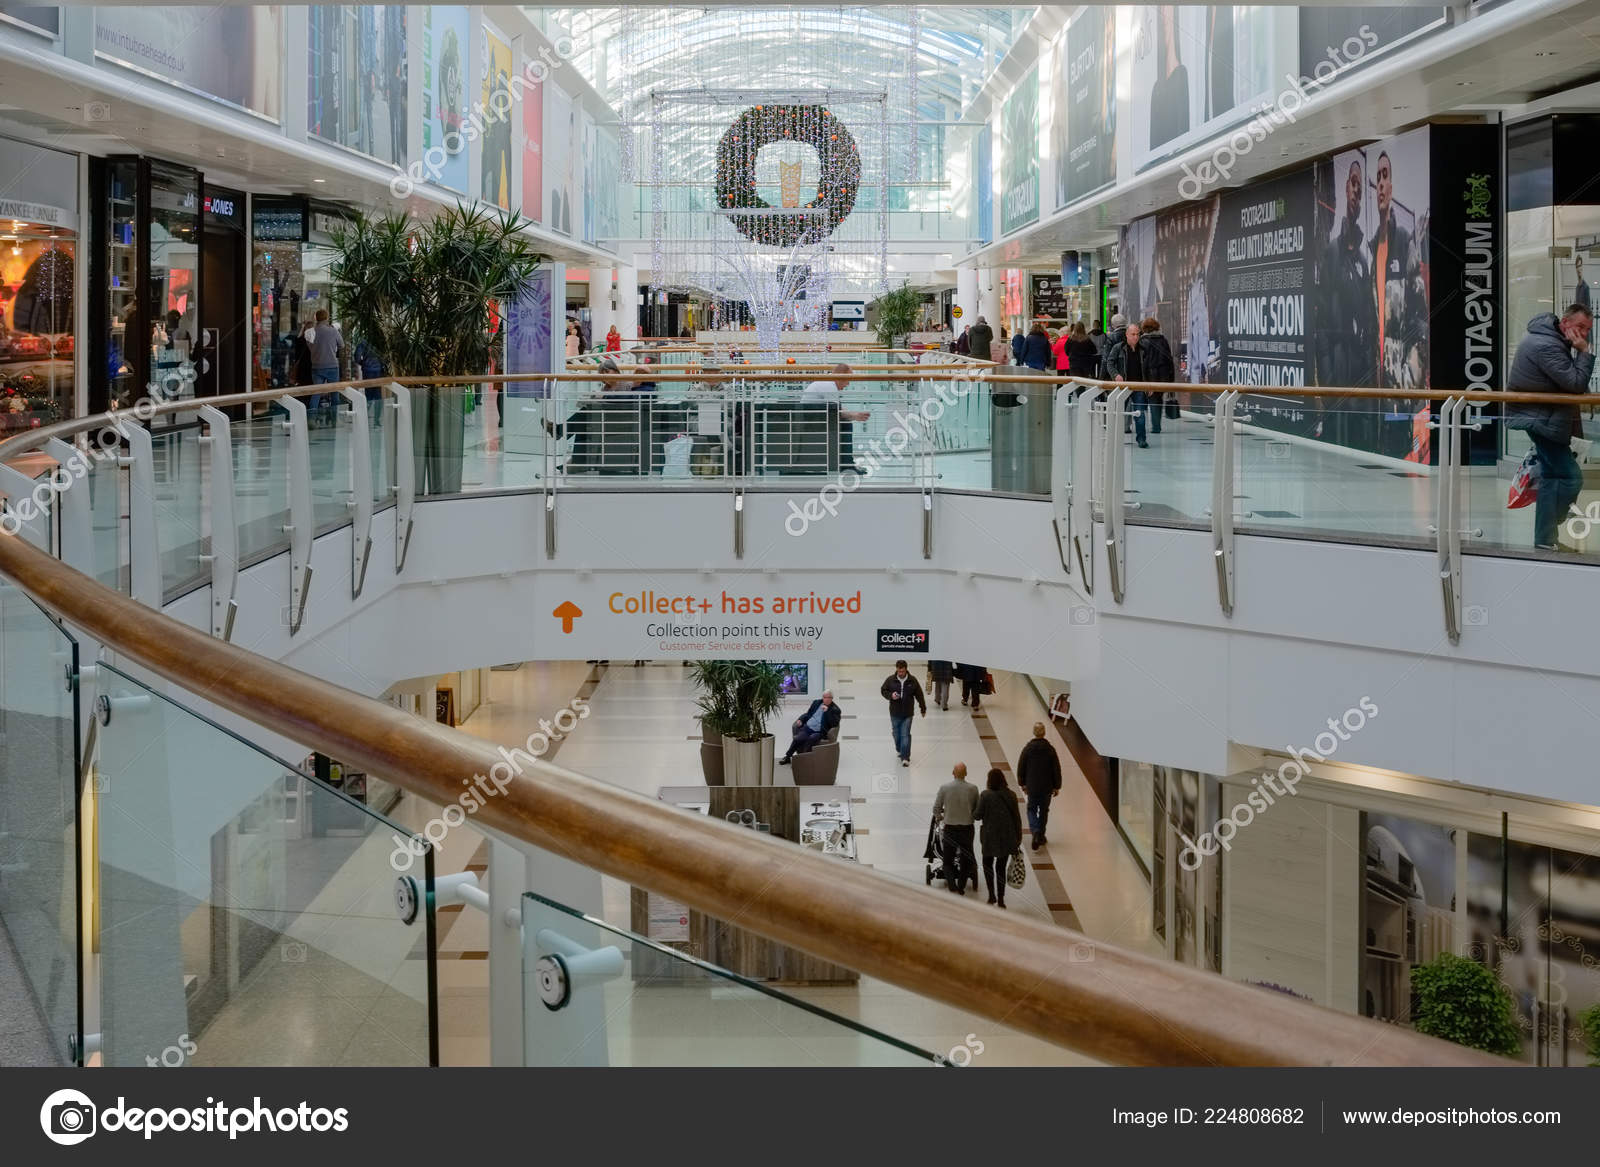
{"x": 941, "y": 859}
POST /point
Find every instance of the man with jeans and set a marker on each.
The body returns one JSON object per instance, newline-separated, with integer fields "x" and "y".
{"x": 1039, "y": 773}
{"x": 1554, "y": 357}
{"x": 325, "y": 344}
{"x": 956, "y": 801}
{"x": 903, "y": 692}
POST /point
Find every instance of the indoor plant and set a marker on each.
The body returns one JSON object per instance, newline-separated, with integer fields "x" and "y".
{"x": 898, "y": 312}
{"x": 1589, "y": 1022}
{"x": 736, "y": 698}
{"x": 424, "y": 295}
{"x": 1462, "y": 1001}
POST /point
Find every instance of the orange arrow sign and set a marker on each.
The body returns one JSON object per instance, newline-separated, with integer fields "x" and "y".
{"x": 567, "y": 613}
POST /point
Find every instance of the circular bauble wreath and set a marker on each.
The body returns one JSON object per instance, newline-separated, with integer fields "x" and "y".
{"x": 839, "y": 180}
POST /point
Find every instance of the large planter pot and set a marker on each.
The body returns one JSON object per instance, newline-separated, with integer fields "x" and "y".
{"x": 711, "y": 763}
{"x": 748, "y": 763}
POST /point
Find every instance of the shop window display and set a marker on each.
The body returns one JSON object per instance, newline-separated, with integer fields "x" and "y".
{"x": 36, "y": 340}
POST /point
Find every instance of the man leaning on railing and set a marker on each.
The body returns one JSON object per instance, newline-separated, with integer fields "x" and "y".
{"x": 1554, "y": 357}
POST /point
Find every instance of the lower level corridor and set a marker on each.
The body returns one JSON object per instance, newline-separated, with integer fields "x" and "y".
{"x": 640, "y": 735}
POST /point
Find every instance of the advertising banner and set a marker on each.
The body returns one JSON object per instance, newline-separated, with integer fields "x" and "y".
{"x": 1334, "y": 41}
{"x": 607, "y": 184}
{"x": 36, "y": 17}
{"x": 1019, "y": 162}
{"x": 528, "y": 324}
{"x": 561, "y": 160}
{"x": 1168, "y": 270}
{"x": 1264, "y": 233}
{"x": 1084, "y": 105}
{"x": 1371, "y": 289}
{"x": 495, "y": 171}
{"x": 1199, "y": 69}
{"x": 227, "y": 53}
{"x": 444, "y": 94}
{"x": 533, "y": 150}
{"x": 356, "y": 78}
{"x": 983, "y": 175}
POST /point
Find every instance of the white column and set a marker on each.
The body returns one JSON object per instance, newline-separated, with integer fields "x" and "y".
{"x": 628, "y": 301}
{"x": 991, "y": 283}
{"x": 601, "y": 315}
{"x": 967, "y": 298}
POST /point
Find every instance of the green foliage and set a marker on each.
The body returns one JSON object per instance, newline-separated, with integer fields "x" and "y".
{"x": 898, "y": 312}
{"x": 1462, "y": 1001}
{"x": 421, "y": 292}
{"x": 1589, "y": 1022}
{"x": 737, "y": 696}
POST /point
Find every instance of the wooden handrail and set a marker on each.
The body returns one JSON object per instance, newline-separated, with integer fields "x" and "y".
{"x": 1117, "y": 1006}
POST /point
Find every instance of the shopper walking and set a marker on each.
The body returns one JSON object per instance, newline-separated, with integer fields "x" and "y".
{"x": 613, "y": 340}
{"x": 326, "y": 346}
{"x": 1114, "y": 340}
{"x": 941, "y": 673}
{"x": 956, "y": 801}
{"x": 1097, "y": 337}
{"x": 1036, "y": 348}
{"x": 1083, "y": 355}
{"x": 972, "y": 679}
{"x": 1125, "y": 362}
{"x": 1001, "y": 836}
{"x": 1156, "y": 354}
{"x": 1554, "y": 357}
{"x": 981, "y": 340}
{"x": 904, "y": 695}
{"x": 1039, "y": 774}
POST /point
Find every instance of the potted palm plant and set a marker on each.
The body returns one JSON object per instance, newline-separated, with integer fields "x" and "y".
{"x": 425, "y": 296}
{"x": 736, "y": 699}
{"x": 897, "y": 315}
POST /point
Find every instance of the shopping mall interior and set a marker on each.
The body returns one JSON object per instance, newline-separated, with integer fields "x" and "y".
{"x": 798, "y": 536}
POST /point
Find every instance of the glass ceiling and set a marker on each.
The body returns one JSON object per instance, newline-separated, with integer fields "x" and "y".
{"x": 625, "y": 52}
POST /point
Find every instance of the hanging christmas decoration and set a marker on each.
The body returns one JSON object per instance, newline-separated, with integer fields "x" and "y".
{"x": 838, "y": 181}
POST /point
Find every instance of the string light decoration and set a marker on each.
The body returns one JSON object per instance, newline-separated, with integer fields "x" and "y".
{"x": 839, "y": 178}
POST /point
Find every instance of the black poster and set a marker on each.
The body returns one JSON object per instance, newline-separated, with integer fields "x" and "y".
{"x": 1462, "y": 256}
{"x": 1260, "y": 310}
{"x": 1334, "y": 41}
{"x": 1050, "y": 300}
{"x": 1086, "y": 129}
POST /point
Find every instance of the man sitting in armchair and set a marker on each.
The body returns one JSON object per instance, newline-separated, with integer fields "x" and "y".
{"x": 813, "y": 725}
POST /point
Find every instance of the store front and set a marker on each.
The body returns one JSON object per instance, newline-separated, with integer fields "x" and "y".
{"x": 291, "y": 278}
{"x": 38, "y": 253}
{"x": 224, "y": 268}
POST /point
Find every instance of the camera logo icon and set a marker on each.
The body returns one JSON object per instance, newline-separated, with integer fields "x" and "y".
{"x": 68, "y": 1117}
{"x": 885, "y": 784}
{"x": 1082, "y": 614}
{"x": 293, "y": 952}
{"x": 1278, "y": 451}
{"x": 1081, "y": 953}
{"x": 1475, "y": 615}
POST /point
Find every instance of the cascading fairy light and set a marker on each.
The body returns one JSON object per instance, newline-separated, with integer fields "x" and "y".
{"x": 658, "y": 210}
{"x": 913, "y": 60}
{"x": 625, "y": 26}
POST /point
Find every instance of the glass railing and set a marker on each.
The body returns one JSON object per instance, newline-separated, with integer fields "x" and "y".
{"x": 598, "y": 995}
{"x": 248, "y": 913}
{"x": 39, "y": 816}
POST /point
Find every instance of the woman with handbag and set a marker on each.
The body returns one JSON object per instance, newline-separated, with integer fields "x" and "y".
{"x": 1000, "y": 835}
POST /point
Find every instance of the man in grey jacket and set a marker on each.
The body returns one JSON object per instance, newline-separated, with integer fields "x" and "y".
{"x": 1554, "y": 357}
{"x": 956, "y": 800}
{"x": 981, "y": 340}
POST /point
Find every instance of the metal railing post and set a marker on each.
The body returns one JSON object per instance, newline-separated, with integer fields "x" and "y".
{"x": 144, "y": 541}
{"x": 1061, "y": 469}
{"x": 360, "y": 503}
{"x": 1115, "y": 505}
{"x": 224, "y": 555}
{"x": 302, "y": 522}
{"x": 405, "y": 472}
{"x": 76, "y": 527}
{"x": 1448, "y": 531}
{"x": 1222, "y": 500}
{"x": 1080, "y": 489}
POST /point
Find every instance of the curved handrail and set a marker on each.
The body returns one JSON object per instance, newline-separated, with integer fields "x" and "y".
{"x": 1121, "y": 1006}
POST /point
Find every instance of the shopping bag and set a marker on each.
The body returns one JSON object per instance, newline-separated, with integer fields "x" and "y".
{"x": 1525, "y": 484}
{"x": 1173, "y": 411}
{"x": 675, "y": 457}
{"x": 1017, "y": 870}
{"x": 988, "y": 684}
